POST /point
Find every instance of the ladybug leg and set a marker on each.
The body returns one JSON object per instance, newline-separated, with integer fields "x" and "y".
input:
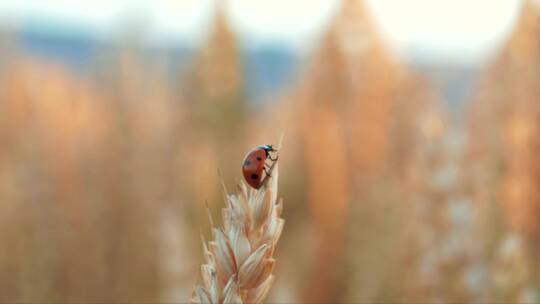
{"x": 267, "y": 174}
{"x": 272, "y": 159}
{"x": 267, "y": 166}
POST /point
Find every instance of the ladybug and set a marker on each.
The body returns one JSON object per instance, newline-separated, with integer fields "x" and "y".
{"x": 255, "y": 163}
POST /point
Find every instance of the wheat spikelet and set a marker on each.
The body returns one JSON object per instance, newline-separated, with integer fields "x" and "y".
{"x": 239, "y": 261}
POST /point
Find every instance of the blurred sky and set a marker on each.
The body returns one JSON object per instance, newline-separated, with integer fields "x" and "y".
{"x": 441, "y": 29}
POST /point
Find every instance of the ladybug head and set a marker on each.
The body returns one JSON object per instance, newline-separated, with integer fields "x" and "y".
{"x": 268, "y": 148}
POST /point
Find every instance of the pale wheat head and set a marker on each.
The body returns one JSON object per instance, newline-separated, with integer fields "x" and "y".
{"x": 239, "y": 261}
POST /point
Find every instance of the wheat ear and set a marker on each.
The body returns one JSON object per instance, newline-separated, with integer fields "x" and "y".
{"x": 239, "y": 261}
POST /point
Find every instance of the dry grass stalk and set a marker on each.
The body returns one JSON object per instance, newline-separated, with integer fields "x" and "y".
{"x": 239, "y": 261}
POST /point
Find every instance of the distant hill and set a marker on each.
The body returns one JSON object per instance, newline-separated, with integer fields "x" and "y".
{"x": 76, "y": 50}
{"x": 269, "y": 69}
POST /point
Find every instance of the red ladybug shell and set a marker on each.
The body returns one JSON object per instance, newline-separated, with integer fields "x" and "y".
{"x": 253, "y": 166}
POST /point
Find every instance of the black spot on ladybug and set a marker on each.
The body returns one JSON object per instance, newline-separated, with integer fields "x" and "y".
{"x": 247, "y": 163}
{"x": 254, "y": 176}
{"x": 259, "y": 158}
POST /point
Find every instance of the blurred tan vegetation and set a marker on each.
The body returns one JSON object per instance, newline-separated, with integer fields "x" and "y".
{"x": 104, "y": 176}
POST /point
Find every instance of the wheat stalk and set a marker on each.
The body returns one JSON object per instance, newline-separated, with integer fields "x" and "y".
{"x": 239, "y": 261}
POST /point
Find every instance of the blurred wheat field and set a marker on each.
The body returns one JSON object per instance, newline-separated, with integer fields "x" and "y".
{"x": 391, "y": 194}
